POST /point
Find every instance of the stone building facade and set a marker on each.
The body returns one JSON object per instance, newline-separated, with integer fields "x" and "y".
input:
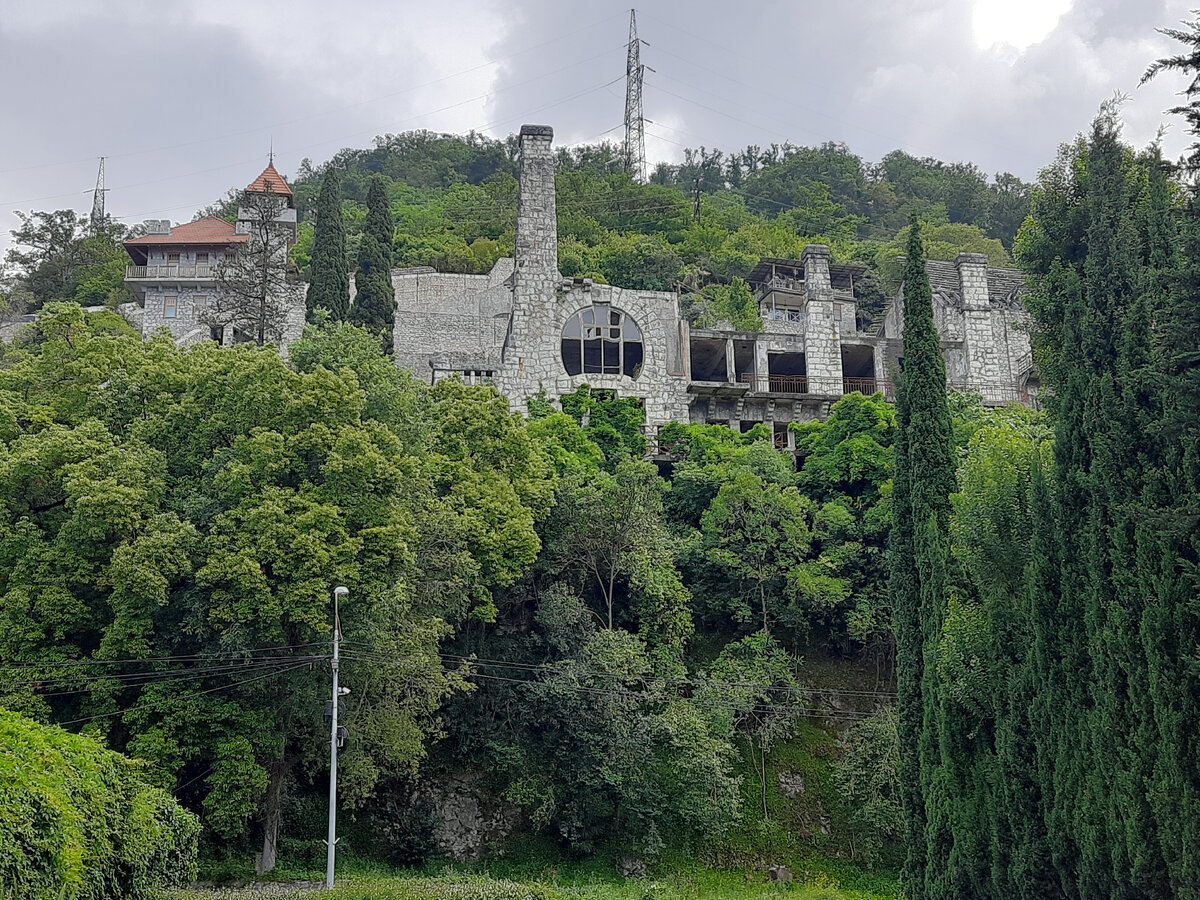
{"x": 529, "y": 330}
{"x": 174, "y": 271}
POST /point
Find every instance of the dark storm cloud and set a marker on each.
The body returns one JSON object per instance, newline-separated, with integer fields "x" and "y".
{"x": 875, "y": 75}
{"x": 184, "y": 98}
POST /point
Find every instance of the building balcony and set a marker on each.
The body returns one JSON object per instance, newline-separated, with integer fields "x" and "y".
{"x": 814, "y": 386}
{"x": 173, "y": 272}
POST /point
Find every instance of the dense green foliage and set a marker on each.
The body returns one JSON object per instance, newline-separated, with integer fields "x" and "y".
{"x": 61, "y": 256}
{"x": 78, "y": 822}
{"x": 374, "y": 299}
{"x": 329, "y": 278}
{"x": 453, "y": 202}
{"x": 918, "y": 558}
{"x": 524, "y": 599}
{"x": 1057, "y": 703}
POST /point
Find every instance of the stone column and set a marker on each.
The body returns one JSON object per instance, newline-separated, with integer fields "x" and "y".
{"x": 730, "y": 368}
{"x": 822, "y": 343}
{"x": 980, "y": 352}
{"x": 536, "y": 279}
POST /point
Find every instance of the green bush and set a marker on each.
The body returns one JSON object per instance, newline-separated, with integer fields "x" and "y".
{"x": 76, "y": 821}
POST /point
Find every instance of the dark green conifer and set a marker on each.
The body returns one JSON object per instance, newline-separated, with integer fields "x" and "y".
{"x": 918, "y": 549}
{"x": 329, "y": 283}
{"x": 374, "y": 301}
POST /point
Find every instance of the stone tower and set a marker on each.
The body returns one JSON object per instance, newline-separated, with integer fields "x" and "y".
{"x": 536, "y": 278}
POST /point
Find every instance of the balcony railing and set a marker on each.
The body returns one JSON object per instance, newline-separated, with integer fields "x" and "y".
{"x": 990, "y": 393}
{"x": 805, "y": 384}
{"x": 172, "y": 271}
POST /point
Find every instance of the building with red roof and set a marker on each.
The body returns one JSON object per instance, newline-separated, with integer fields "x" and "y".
{"x": 175, "y": 270}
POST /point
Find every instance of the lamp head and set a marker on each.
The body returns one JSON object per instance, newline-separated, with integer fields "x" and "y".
{"x": 341, "y": 591}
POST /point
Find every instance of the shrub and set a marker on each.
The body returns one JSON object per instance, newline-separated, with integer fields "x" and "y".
{"x": 77, "y": 823}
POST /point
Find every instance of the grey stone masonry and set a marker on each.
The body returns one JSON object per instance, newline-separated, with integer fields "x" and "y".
{"x": 983, "y": 328}
{"x": 527, "y": 329}
{"x": 536, "y": 279}
{"x": 988, "y": 369}
{"x": 822, "y": 337}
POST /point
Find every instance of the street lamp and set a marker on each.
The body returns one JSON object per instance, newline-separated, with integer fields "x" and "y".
{"x": 331, "y": 842}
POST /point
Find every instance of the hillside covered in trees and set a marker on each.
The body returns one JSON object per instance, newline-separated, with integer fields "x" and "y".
{"x": 700, "y": 224}
{"x": 943, "y": 649}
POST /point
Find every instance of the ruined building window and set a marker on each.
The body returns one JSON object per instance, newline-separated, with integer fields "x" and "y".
{"x": 600, "y": 340}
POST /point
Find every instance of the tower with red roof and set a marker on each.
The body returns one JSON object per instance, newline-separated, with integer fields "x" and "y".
{"x": 174, "y": 270}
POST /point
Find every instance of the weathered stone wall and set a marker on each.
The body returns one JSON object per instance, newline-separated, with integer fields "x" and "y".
{"x": 452, "y": 321}
{"x": 822, "y": 339}
{"x": 662, "y": 383}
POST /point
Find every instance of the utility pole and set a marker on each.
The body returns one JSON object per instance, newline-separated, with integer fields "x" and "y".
{"x": 97, "y": 218}
{"x": 635, "y": 123}
{"x": 331, "y": 842}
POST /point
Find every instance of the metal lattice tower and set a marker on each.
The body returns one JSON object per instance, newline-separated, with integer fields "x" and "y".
{"x": 97, "y": 219}
{"x": 635, "y": 123}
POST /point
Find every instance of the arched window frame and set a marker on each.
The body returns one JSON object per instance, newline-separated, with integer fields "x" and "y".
{"x": 601, "y": 340}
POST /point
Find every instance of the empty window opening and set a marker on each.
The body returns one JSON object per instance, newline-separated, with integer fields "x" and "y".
{"x": 599, "y": 340}
{"x": 743, "y": 361}
{"x": 780, "y": 433}
{"x": 858, "y": 369}
{"x": 708, "y": 360}
{"x": 787, "y": 373}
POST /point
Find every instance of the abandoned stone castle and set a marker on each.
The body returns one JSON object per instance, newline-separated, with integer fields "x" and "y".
{"x": 529, "y": 330}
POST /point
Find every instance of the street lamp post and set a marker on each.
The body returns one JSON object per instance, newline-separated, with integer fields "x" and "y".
{"x": 331, "y": 842}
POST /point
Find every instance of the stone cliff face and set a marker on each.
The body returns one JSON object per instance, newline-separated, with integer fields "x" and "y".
{"x": 471, "y": 824}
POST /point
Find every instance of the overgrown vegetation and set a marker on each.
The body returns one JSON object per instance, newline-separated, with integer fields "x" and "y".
{"x": 79, "y": 822}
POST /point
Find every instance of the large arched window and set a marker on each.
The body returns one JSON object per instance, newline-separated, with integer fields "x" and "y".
{"x": 600, "y": 340}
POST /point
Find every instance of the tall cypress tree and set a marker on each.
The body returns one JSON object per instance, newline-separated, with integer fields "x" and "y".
{"x": 375, "y": 297}
{"x": 917, "y": 556}
{"x": 329, "y": 284}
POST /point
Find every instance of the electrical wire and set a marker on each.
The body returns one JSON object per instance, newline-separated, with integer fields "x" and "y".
{"x": 19, "y": 664}
{"x": 542, "y": 667}
{"x": 712, "y": 702}
{"x": 168, "y": 700}
{"x": 142, "y": 679}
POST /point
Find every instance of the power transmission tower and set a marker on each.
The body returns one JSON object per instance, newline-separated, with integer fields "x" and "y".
{"x": 635, "y": 123}
{"x": 97, "y": 220}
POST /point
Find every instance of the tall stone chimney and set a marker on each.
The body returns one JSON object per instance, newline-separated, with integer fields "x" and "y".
{"x": 822, "y": 342}
{"x": 537, "y": 213}
{"x": 536, "y": 278}
{"x": 987, "y": 367}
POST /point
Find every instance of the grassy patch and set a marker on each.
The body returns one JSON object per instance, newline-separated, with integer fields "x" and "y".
{"x": 690, "y": 884}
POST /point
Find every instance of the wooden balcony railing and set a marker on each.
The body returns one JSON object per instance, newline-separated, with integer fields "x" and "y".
{"x": 160, "y": 272}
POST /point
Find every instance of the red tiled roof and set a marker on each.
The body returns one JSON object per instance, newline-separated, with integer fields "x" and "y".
{"x": 209, "y": 230}
{"x": 273, "y": 178}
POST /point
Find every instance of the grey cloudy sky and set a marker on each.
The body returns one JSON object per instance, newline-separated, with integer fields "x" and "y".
{"x": 185, "y": 97}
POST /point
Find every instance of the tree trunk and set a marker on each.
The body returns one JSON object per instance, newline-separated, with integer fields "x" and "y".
{"x": 762, "y": 599}
{"x": 272, "y": 816}
{"x": 762, "y": 749}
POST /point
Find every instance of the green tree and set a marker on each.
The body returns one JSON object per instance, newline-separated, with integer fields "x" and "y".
{"x": 751, "y": 688}
{"x": 924, "y": 481}
{"x": 868, "y": 779}
{"x": 374, "y": 300}
{"x": 329, "y": 282}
